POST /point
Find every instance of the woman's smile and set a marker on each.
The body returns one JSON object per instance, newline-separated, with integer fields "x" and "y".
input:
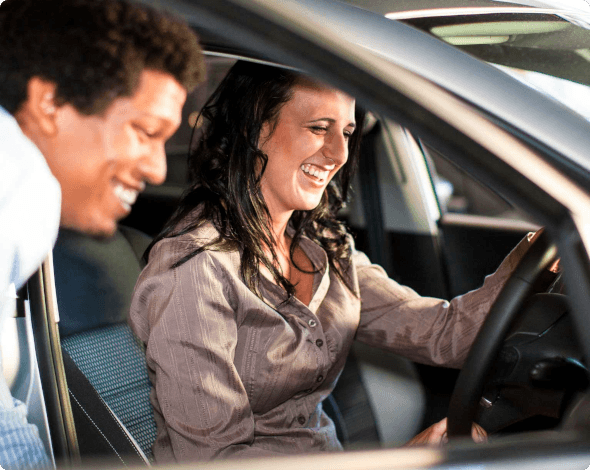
{"x": 315, "y": 173}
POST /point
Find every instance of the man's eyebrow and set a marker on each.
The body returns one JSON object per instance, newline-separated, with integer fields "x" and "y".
{"x": 162, "y": 120}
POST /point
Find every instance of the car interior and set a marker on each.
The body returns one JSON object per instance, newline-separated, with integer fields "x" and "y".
{"x": 430, "y": 224}
{"x": 94, "y": 283}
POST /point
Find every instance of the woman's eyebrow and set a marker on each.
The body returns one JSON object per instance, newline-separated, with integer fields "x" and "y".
{"x": 333, "y": 121}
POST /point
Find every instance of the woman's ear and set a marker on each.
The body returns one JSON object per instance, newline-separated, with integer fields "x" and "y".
{"x": 38, "y": 112}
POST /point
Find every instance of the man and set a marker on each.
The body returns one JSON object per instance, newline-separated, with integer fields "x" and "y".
{"x": 90, "y": 90}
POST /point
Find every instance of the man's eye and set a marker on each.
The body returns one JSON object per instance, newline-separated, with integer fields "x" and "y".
{"x": 144, "y": 131}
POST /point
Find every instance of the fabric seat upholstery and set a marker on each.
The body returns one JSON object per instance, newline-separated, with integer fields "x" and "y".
{"x": 95, "y": 277}
{"x": 94, "y": 284}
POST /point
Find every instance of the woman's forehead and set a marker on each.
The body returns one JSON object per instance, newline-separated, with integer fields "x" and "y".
{"x": 313, "y": 97}
{"x": 306, "y": 83}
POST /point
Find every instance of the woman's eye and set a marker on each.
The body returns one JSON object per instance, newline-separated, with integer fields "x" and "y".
{"x": 319, "y": 129}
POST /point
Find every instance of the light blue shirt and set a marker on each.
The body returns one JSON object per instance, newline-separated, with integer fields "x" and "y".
{"x": 30, "y": 204}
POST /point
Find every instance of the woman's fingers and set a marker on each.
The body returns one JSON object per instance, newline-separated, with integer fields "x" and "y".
{"x": 437, "y": 435}
{"x": 532, "y": 236}
{"x": 433, "y": 435}
{"x": 555, "y": 267}
{"x": 478, "y": 434}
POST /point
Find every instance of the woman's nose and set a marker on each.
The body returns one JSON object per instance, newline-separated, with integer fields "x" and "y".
{"x": 336, "y": 149}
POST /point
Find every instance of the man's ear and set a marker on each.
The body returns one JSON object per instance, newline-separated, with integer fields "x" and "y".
{"x": 39, "y": 110}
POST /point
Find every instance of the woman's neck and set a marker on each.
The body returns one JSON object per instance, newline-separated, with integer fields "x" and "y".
{"x": 297, "y": 268}
{"x": 279, "y": 223}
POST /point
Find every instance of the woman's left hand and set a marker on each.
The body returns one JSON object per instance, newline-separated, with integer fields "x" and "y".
{"x": 532, "y": 236}
{"x": 437, "y": 435}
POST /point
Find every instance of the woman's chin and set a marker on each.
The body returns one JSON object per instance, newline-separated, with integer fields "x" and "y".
{"x": 310, "y": 204}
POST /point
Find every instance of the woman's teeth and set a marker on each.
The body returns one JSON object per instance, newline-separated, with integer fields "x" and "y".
{"x": 314, "y": 171}
{"x": 125, "y": 195}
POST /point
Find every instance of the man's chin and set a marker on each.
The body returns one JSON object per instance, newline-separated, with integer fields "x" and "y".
{"x": 95, "y": 229}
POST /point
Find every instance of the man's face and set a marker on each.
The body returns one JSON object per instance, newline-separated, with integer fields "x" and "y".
{"x": 103, "y": 161}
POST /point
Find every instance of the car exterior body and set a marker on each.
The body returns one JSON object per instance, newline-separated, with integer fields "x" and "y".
{"x": 429, "y": 97}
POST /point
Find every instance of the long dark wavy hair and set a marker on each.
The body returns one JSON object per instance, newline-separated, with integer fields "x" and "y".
{"x": 225, "y": 174}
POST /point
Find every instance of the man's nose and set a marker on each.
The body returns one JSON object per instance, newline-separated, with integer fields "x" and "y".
{"x": 153, "y": 166}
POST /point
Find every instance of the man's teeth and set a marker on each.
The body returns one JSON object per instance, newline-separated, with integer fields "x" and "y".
{"x": 126, "y": 196}
{"x": 310, "y": 170}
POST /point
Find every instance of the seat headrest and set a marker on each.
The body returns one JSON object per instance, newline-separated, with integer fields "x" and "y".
{"x": 95, "y": 277}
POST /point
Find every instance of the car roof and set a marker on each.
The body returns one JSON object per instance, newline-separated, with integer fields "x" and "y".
{"x": 513, "y": 103}
{"x": 407, "y": 7}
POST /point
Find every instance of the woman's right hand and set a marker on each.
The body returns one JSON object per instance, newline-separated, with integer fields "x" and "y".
{"x": 437, "y": 435}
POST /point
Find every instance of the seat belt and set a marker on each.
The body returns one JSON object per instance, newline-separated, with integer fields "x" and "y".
{"x": 100, "y": 432}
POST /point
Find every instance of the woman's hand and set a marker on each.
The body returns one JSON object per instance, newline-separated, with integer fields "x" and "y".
{"x": 532, "y": 236}
{"x": 437, "y": 435}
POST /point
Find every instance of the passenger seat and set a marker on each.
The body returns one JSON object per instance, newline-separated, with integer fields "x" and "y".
{"x": 94, "y": 283}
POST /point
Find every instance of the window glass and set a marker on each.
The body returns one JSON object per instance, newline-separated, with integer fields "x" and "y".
{"x": 575, "y": 96}
{"x": 460, "y": 193}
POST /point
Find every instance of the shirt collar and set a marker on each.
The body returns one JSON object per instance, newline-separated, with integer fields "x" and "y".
{"x": 275, "y": 294}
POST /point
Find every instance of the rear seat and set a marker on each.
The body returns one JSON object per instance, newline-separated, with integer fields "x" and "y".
{"x": 94, "y": 284}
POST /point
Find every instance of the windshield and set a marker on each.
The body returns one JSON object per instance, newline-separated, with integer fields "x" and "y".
{"x": 556, "y": 45}
{"x": 571, "y": 94}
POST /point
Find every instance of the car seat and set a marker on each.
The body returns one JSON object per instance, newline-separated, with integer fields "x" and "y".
{"x": 105, "y": 364}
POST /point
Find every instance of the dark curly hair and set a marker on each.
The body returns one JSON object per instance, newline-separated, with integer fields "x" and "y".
{"x": 226, "y": 183}
{"x": 93, "y": 50}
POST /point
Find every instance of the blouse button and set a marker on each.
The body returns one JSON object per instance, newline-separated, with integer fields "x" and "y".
{"x": 319, "y": 343}
{"x": 301, "y": 419}
{"x": 320, "y": 378}
{"x": 312, "y": 323}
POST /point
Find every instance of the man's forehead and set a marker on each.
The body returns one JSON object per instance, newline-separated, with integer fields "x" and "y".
{"x": 158, "y": 95}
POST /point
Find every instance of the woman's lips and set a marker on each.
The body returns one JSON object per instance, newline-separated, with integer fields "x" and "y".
{"x": 318, "y": 173}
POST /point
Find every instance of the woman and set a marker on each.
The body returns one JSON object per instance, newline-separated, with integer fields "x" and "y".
{"x": 254, "y": 291}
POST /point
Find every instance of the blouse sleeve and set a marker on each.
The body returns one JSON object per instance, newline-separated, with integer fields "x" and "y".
{"x": 191, "y": 340}
{"x": 424, "y": 329}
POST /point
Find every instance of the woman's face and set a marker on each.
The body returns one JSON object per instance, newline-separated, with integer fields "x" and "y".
{"x": 307, "y": 147}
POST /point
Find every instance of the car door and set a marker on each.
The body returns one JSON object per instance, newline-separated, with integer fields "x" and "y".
{"x": 379, "y": 85}
{"x": 400, "y": 214}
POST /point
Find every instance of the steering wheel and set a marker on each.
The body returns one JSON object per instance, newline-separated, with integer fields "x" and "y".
{"x": 470, "y": 383}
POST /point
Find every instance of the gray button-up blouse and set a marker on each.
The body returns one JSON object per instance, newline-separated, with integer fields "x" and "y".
{"x": 234, "y": 375}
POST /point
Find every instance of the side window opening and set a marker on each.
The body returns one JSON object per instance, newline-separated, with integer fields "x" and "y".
{"x": 460, "y": 193}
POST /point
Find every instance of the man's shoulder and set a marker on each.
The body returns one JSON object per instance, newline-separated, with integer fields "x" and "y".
{"x": 30, "y": 204}
{"x": 20, "y": 157}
